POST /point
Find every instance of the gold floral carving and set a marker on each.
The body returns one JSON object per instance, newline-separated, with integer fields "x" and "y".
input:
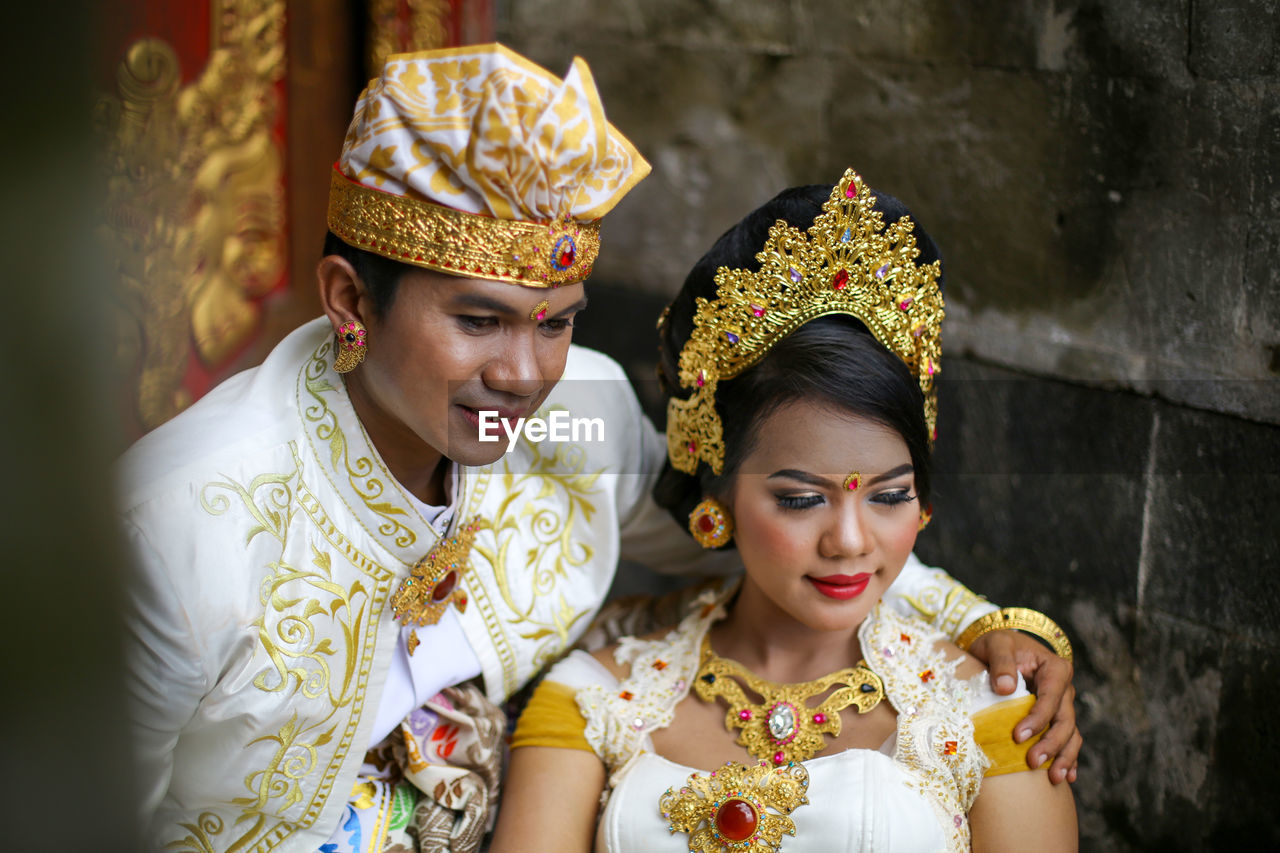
{"x": 425, "y": 26}
{"x": 195, "y": 198}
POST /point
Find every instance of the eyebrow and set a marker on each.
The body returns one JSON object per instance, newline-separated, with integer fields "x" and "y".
{"x": 481, "y": 302}
{"x": 484, "y": 303}
{"x": 580, "y": 305}
{"x": 815, "y": 480}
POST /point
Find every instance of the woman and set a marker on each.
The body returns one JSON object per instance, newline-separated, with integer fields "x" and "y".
{"x": 791, "y": 702}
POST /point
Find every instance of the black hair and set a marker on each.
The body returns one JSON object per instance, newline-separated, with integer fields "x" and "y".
{"x": 380, "y": 275}
{"x": 832, "y": 360}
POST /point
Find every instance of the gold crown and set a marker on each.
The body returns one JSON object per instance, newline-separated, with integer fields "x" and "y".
{"x": 849, "y": 263}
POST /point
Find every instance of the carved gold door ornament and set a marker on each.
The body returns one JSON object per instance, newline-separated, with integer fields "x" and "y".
{"x": 195, "y": 199}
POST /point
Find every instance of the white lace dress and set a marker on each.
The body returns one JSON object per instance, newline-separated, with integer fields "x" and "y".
{"x": 913, "y": 794}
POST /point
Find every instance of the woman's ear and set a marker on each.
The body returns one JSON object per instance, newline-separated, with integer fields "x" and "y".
{"x": 343, "y": 296}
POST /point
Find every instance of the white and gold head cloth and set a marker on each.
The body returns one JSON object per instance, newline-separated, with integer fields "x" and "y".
{"x": 475, "y": 161}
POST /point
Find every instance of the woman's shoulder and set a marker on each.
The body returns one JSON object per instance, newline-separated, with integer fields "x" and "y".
{"x": 617, "y": 658}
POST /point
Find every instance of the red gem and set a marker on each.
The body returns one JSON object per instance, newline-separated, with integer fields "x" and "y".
{"x": 627, "y": 694}
{"x": 446, "y": 585}
{"x": 757, "y": 310}
{"x": 744, "y": 714}
{"x": 737, "y": 820}
{"x": 904, "y": 638}
{"x": 542, "y": 315}
{"x": 779, "y": 757}
{"x": 906, "y": 303}
{"x": 840, "y": 280}
{"x": 702, "y": 378}
{"x": 851, "y": 190}
{"x": 692, "y": 447}
{"x": 566, "y": 258}
{"x": 659, "y": 664}
{"x": 949, "y": 748}
{"x": 926, "y": 676}
{"x": 706, "y": 523}
{"x": 819, "y": 718}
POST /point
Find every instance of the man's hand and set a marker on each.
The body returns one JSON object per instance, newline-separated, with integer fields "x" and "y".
{"x": 1008, "y": 652}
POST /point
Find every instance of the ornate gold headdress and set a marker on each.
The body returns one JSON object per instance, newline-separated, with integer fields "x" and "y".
{"x": 848, "y": 263}
{"x": 475, "y": 161}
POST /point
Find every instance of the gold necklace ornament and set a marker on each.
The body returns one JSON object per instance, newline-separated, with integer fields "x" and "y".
{"x": 432, "y": 584}
{"x": 783, "y": 728}
{"x": 728, "y": 809}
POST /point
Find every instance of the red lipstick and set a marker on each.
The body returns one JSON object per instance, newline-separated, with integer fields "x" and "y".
{"x": 842, "y": 587}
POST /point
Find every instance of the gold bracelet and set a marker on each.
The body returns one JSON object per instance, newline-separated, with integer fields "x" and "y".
{"x": 1021, "y": 619}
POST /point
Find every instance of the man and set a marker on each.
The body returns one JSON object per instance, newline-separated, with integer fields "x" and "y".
{"x": 334, "y": 545}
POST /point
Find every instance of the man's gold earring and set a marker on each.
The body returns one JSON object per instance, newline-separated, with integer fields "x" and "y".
{"x": 710, "y": 523}
{"x": 350, "y": 346}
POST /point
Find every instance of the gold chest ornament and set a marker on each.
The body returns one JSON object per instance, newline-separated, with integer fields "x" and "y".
{"x": 434, "y": 581}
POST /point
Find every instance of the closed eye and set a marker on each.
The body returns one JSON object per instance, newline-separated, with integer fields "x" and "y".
{"x": 556, "y": 325}
{"x": 476, "y": 323}
{"x": 799, "y": 501}
{"x": 893, "y": 498}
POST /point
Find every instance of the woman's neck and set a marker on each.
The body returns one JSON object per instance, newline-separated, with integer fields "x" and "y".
{"x": 775, "y": 646}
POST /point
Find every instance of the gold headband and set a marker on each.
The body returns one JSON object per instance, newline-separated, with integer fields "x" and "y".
{"x": 849, "y": 263}
{"x": 417, "y": 232}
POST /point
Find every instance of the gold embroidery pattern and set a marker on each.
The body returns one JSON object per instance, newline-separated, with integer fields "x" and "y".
{"x": 207, "y": 826}
{"x": 366, "y": 476}
{"x": 195, "y": 198}
{"x": 944, "y": 604}
{"x": 301, "y": 609}
{"x": 540, "y": 510}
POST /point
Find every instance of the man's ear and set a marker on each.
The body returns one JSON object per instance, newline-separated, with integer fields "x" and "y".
{"x": 343, "y": 296}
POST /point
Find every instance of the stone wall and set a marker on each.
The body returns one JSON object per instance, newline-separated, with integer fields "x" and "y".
{"x": 1102, "y": 178}
{"x": 1101, "y": 175}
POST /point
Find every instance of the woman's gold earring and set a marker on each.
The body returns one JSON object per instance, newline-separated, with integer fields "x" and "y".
{"x": 711, "y": 524}
{"x": 926, "y": 516}
{"x": 350, "y": 346}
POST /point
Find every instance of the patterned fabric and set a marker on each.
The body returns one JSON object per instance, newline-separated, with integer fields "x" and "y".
{"x": 483, "y": 130}
{"x": 432, "y": 784}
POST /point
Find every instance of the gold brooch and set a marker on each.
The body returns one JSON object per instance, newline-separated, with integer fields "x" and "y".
{"x": 432, "y": 584}
{"x": 783, "y": 728}
{"x": 727, "y": 809}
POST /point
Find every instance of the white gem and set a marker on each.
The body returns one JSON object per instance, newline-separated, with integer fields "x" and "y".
{"x": 637, "y": 723}
{"x": 782, "y": 721}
